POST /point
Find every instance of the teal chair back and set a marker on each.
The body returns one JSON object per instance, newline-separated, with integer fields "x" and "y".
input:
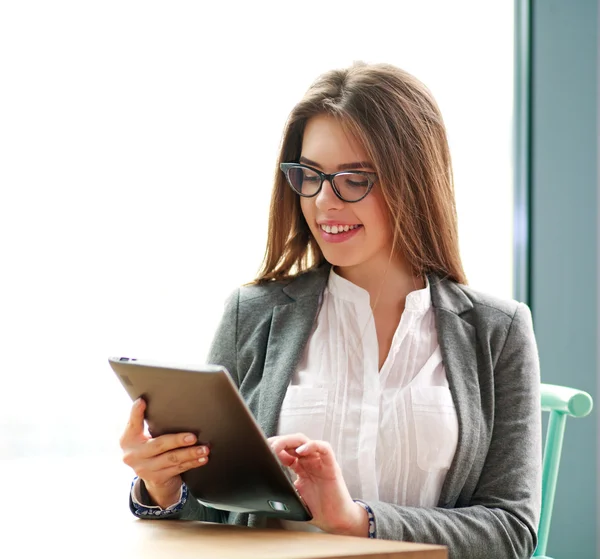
{"x": 561, "y": 402}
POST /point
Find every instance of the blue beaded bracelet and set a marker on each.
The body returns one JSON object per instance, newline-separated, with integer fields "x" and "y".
{"x": 156, "y": 511}
{"x": 371, "y": 516}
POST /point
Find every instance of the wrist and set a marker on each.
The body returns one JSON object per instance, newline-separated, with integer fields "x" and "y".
{"x": 162, "y": 496}
{"x": 355, "y": 522}
{"x": 371, "y": 525}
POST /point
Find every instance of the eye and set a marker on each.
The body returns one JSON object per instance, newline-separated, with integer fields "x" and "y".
{"x": 311, "y": 177}
{"x": 353, "y": 180}
{"x": 358, "y": 183}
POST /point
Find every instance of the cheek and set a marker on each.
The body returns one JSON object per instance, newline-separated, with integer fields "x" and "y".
{"x": 375, "y": 214}
{"x": 376, "y": 219}
{"x": 307, "y": 206}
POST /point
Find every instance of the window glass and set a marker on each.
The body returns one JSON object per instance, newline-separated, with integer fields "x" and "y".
{"x": 138, "y": 145}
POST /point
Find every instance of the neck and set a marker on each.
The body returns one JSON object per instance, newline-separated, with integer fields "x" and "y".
{"x": 387, "y": 282}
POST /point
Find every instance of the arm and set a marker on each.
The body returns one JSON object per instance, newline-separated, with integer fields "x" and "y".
{"x": 223, "y": 350}
{"x": 186, "y": 508}
{"x": 503, "y": 514}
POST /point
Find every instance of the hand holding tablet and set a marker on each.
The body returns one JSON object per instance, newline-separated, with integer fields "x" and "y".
{"x": 241, "y": 473}
{"x": 160, "y": 461}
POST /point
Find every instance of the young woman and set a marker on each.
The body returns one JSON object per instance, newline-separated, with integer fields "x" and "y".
{"x": 406, "y": 403}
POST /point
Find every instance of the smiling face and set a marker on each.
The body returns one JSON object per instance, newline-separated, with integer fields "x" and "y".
{"x": 366, "y": 234}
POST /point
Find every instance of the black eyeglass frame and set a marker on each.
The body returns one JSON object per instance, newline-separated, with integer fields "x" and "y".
{"x": 371, "y": 177}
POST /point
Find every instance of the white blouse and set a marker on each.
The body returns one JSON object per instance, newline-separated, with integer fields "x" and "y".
{"x": 394, "y": 432}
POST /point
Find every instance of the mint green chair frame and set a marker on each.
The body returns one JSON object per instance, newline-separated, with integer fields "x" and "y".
{"x": 561, "y": 402}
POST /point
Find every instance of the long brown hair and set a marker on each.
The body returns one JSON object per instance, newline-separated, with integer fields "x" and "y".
{"x": 395, "y": 117}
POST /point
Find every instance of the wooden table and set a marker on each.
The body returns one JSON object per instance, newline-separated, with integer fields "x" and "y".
{"x": 78, "y": 508}
{"x": 100, "y": 536}
{"x": 155, "y": 539}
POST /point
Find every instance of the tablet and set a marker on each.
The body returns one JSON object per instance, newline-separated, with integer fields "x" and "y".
{"x": 242, "y": 474}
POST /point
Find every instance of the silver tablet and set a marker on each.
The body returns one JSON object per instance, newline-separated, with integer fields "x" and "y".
{"x": 242, "y": 474}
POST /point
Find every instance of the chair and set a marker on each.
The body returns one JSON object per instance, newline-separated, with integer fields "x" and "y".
{"x": 561, "y": 402}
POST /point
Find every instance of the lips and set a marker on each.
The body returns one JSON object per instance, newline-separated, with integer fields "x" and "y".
{"x": 337, "y": 228}
{"x": 338, "y": 236}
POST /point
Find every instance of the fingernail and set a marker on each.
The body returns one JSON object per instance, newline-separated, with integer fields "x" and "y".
{"x": 202, "y": 460}
{"x": 301, "y": 449}
{"x": 189, "y": 439}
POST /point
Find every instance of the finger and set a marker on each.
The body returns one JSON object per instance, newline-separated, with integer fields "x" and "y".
{"x": 286, "y": 458}
{"x": 311, "y": 447}
{"x": 320, "y": 448}
{"x": 134, "y": 430}
{"x": 180, "y": 456}
{"x": 161, "y": 477}
{"x": 165, "y": 443}
{"x": 288, "y": 442}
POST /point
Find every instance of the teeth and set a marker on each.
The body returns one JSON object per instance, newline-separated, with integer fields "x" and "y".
{"x": 335, "y": 229}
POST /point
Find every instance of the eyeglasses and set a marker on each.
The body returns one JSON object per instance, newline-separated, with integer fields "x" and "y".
{"x": 349, "y": 186}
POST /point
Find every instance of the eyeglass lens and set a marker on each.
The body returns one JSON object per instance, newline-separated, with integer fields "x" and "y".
{"x": 351, "y": 186}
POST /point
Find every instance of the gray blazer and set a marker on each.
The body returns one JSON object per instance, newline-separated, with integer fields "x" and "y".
{"x": 490, "y": 501}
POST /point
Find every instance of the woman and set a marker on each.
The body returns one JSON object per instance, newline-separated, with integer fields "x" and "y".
{"x": 406, "y": 403}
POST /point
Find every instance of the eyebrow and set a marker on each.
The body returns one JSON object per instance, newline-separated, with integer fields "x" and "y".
{"x": 342, "y": 167}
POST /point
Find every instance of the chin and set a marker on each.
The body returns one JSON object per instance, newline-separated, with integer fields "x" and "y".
{"x": 342, "y": 260}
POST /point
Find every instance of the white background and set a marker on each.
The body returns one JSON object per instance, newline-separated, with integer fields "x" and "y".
{"x": 137, "y": 149}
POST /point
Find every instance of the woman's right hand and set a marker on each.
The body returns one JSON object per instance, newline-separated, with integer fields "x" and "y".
{"x": 160, "y": 461}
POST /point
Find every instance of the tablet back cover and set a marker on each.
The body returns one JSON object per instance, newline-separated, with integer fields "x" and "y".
{"x": 242, "y": 474}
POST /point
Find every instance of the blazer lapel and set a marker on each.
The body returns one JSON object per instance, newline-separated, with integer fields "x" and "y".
{"x": 457, "y": 339}
{"x": 290, "y": 328}
{"x": 291, "y": 325}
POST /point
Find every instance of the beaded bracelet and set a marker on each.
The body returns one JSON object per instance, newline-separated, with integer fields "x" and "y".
{"x": 141, "y": 510}
{"x": 371, "y": 516}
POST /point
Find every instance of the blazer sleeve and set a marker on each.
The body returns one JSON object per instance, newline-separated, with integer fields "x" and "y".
{"x": 502, "y": 517}
{"x": 223, "y": 351}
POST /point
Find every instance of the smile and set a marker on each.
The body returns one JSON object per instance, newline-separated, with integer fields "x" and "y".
{"x": 335, "y": 229}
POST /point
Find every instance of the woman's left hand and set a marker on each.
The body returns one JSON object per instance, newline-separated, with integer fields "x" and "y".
{"x": 321, "y": 485}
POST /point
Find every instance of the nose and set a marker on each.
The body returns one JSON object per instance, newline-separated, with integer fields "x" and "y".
{"x": 327, "y": 199}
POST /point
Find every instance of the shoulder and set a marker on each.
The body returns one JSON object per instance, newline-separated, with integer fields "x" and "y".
{"x": 265, "y": 295}
{"x": 471, "y": 303}
{"x": 493, "y": 318}
{"x": 496, "y": 333}
{"x": 486, "y": 304}
{"x": 496, "y": 311}
{"x": 500, "y": 319}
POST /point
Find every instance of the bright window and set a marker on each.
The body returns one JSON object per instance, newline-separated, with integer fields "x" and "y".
{"x": 138, "y": 145}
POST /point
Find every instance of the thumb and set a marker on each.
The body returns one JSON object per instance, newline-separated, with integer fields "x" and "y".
{"x": 134, "y": 431}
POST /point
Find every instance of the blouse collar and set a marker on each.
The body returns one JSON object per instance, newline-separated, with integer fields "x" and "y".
{"x": 418, "y": 300}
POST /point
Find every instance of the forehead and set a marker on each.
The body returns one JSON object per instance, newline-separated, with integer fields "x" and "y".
{"x": 329, "y": 143}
